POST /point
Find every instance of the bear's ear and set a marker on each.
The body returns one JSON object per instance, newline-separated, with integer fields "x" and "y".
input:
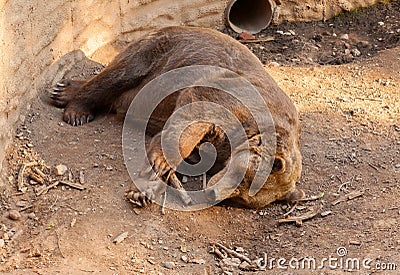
{"x": 279, "y": 165}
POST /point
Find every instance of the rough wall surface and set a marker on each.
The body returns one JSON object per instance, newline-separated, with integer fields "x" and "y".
{"x": 34, "y": 34}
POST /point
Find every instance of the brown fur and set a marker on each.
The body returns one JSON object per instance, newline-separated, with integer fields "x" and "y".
{"x": 174, "y": 47}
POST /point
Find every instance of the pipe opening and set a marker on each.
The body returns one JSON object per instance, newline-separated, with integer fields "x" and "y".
{"x": 249, "y": 16}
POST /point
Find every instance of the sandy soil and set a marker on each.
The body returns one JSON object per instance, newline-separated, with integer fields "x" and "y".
{"x": 350, "y": 116}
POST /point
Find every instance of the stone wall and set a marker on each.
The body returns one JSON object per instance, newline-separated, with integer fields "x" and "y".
{"x": 34, "y": 34}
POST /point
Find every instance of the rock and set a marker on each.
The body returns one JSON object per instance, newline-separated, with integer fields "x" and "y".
{"x": 14, "y": 215}
{"x": 244, "y": 265}
{"x": 355, "y": 52}
{"x": 32, "y": 216}
{"x": 184, "y": 258}
{"x": 397, "y": 166}
{"x": 363, "y": 44}
{"x": 197, "y": 261}
{"x": 275, "y": 64}
{"x": 60, "y": 170}
{"x": 6, "y": 237}
{"x": 326, "y": 213}
{"x": 235, "y": 262}
{"x": 380, "y": 23}
{"x": 184, "y": 179}
{"x": 344, "y": 36}
{"x": 169, "y": 265}
{"x": 2, "y": 243}
{"x": 246, "y": 36}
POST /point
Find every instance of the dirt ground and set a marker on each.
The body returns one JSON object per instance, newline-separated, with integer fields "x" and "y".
{"x": 349, "y": 104}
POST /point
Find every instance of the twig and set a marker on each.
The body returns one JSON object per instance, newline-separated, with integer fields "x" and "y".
{"x": 373, "y": 166}
{"x": 25, "y": 208}
{"x": 234, "y": 253}
{"x": 219, "y": 253}
{"x": 20, "y": 181}
{"x": 73, "y": 185}
{"x": 39, "y": 172}
{"x": 299, "y": 219}
{"x": 342, "y": 185}
{"x": 264, "y": 39}
{"x": 45, "y": 190}
{"x": 370, "y": 99}
{"x": 36, "y": 177}
{"x": 291, "y": 209}
{"x": 312, "y": 198}
{"x": 350, "y": 196}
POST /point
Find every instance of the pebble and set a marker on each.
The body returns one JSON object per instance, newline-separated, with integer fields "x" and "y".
{"x": 184, "y": 179}
{"x": 235, "y": 262}
{"x": 6, "y": 237}
{"x": 397, "y": 166}
{"x": 326, "y": 213}
{"x": 60, "y": 170}
{"x": 32, "y": 216}
{"x": 275, "y": 64}
{"x": 184, "y": 258}
{"x": 344, "y": 36}
{"x": 14, "y": 215}
{"x": 355, "y": 52}
{"x": 364, "y": 44}
{"x": 244, "y": 265}
{"x": 380, "y": 23}
{"x": 169, "y": 265}
{"x": 2, "y": 243}
{"x": 239, "y": 249}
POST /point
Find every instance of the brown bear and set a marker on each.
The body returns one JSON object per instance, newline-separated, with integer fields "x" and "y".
{"x": 177, "y": 47}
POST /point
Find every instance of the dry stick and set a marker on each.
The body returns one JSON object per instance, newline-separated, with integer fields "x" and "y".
{"x": 45, "y": 190}
{"x": 298, "y": 219}
{"x": 36, "y": 177}
{"x": 39, "y": 172}
{"x": 219, "y": 253}
{"x": 373, "y": 166}
{"x": 312, "y": 198}
{"x": 264, "y": 39}
{"x": 20, "y": 184}
{"x": 234, "y": 253}
{"x": 291, "y": 209}
{"x": 350, "y": 196}
{"x": 73, "y": 185}
{"x": 371, "y": 99}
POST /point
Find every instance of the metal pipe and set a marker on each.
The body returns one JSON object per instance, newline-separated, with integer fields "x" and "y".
{"x": 250, "y": 16}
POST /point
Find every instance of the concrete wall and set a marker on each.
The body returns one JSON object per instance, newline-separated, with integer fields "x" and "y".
{"x": 34, "y": 34}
